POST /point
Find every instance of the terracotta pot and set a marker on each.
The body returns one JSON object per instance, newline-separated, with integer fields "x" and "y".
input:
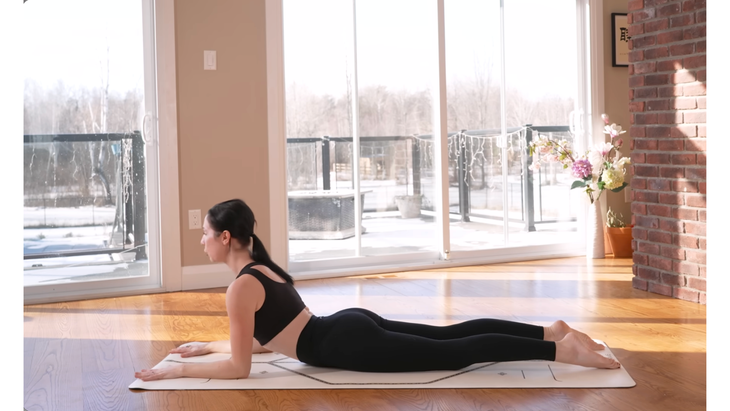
{"x": 620, "y": 239}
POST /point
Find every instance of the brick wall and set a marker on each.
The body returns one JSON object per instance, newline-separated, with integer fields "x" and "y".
{"x": 667, "y": 85}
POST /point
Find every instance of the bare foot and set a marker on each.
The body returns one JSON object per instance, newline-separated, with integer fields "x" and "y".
{"x": 560, "y": 329}
{"x": 571, "y": 350}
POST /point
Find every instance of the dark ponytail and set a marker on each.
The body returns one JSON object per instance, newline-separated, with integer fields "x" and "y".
{"x": 237, "y": 218}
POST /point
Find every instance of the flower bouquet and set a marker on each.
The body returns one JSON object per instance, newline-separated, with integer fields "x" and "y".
{"x": 600, "y": 168}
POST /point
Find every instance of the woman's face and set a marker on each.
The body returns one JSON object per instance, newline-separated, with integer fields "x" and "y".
{"x": 214, "y": 245}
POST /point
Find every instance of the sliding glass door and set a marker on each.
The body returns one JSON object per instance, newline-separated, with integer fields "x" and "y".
{"x": 363, "y": 175}
{"x": 90, "y": 158}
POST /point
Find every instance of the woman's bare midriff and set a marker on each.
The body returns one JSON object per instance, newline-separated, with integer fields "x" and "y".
{"x": 286, "y": 341}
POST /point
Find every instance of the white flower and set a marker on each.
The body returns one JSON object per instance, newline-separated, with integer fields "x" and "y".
{"x": 614, "y": 130}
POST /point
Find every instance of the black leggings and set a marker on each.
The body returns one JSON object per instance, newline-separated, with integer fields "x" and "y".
{"x": 360, "y": 340}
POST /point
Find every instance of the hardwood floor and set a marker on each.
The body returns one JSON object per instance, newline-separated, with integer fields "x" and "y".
{"x": 82, "y": 355}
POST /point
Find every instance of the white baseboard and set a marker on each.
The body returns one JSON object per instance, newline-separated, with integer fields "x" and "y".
{"x": 195, "y": 277}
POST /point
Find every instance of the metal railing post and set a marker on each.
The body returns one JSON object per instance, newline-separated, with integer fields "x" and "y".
{"x": 326, "y": 162}
{"x": 416, "y": 165}
{"x": 528, "y": 180}
{"x": 463, "y": 176}
{"x": 139, "y": 195}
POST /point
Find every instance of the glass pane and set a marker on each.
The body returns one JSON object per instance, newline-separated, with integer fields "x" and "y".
{"x": 541, "y": 80}
{"x": 317, "y": 44}
{"x": 396, "y": 55}
{"x": 476, "y": 178}
{"x": 84, "y": 174}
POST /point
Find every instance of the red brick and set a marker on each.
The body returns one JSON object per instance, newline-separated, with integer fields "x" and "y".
{"x": 669, "y": 65}
{"x": 662, "y": 289}
{"x": 636, "y": 106}
{"x": 696, "y": 256}
{"x": 683, "y": 267}
{"x": 692, "y": 5}
{"x": 686, "y": 214}
{"x": 645, "y": 197}
{"x": 671, "y": 172}
{"x": 703, "y": 271}
{"x": 658, "y": 132}
{"x": 683, "y": 76}
{"x": 635, "y": 30}
{"x": 684, "y": 159}
{"x": 646, "y": 171}
{"x": 696, "y": 61}
{"x": 636, "y": 55}
{"x": 639, "y": 284}
{"x": 702, "y": 75}
{"x": 646, "y": 92}
{"x": 648, "y": 222}
{"x": 685, "y": 241}
{"x": 670, "y": 36}
{"x": 652, "y": 3}
{"x": 641, "y": 259}
{"x": 656, "y": 79}
{"x": 643, "y": 42}
{"x": 701, "y": 158}
{"x": 695, "y": 32}
{"x": 684, "y": 103}
{"x": 695, "y": 228}
{"x": 682, "y": 20}
{"x": 671, "y": 145}
{"x": 673, "y": 117}
{"x": 647, "y": 67}
{"x": 703, "y": 187}
{"x": 660, "y": 263}
{"x": 656, "y": 25}
{"x": 655, "y": 158}
{"x": 697, "y": 283}
{"x": 647, "y": 273}
{"x": 637, "y": 208}
{"x": 642, "y": 15}
{"x": 648, "y": 118}
{"x": 672, "y": 279}
{"x": 659, "y": 211}
{"x": 698, "y": 116}
{"x": 701, "y": 16}
{"x": 636, "y": 5}
{"x": 702, "y": 102}
{"x": 660, "y": 237}
{"x": 686, "y": 294}
{"x": 671, "y": 198}
{"x": 673, "y": 226}
{"x": 658, "y": 53}
{"x": 668, "y": 10}
{"x": 702, "y": 214}
{"x": 657, "y": 105}
{"x": 696, "y": 173}
{"x": 672, "y": 91}
{"x": 683, "y": 186}
{"x": 701, "y": 46}
{"x": 683, "y": 131}
{"x": 696, "y": 144}
{"x": 682, "y": 49}
{"x": 703, "y": 244}
{"x": 694, "y": 89}
{"x": 697, "y": 200}
{"x": 703, "y": 298}
{"x": 636, "y": 81}
{"x": 656, "y": 184}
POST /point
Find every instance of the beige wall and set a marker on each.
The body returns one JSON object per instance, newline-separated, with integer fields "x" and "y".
{"x": 616, "y": 91}
{"x": 222, "y": 117}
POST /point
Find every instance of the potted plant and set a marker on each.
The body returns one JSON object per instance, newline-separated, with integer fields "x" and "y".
{"x": 409, "y": 205}
{"x": 619, "y": 235}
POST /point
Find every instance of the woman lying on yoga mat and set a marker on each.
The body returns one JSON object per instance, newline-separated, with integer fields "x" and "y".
{"x": 267, "y": 314}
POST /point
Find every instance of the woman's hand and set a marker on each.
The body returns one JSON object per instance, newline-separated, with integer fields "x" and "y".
{"x": 192, "y": 350}
{"x": 173, "y": 371}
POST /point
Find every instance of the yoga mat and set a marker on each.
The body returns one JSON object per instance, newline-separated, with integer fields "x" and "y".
{"x": 273, "y": 371}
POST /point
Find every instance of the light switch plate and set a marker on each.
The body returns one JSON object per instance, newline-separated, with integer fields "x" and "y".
{"x": 209, "y": 60}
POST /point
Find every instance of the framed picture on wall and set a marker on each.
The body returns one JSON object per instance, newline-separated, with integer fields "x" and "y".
{"x": 620, "y": 40}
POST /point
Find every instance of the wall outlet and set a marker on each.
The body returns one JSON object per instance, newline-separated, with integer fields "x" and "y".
{"x": 194, "y": 219}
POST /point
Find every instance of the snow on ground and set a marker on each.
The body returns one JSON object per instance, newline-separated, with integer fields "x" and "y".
{"x": 67, "y": 216}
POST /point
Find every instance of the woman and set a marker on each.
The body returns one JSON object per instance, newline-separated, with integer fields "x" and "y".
{"x": 267, "y": 314}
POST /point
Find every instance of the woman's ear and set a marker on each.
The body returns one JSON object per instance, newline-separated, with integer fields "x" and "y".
{"x": 226, "y": 237}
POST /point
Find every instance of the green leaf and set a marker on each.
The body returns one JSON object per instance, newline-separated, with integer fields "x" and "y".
{"x": 578, "y": 183}
{"x": 617, "y": 189}
{"x": 600, "y": 185}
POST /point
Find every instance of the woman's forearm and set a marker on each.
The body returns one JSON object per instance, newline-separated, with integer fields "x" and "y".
{"x": 220, "y": 346}
{"x": 225, "y": 369}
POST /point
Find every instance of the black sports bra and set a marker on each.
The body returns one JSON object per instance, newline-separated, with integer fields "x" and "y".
{"x": 282, "y": 304}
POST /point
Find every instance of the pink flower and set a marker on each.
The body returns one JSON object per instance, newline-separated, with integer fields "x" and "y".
{"x": 581, "y": 168}
{"x": 605, "y": 118}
